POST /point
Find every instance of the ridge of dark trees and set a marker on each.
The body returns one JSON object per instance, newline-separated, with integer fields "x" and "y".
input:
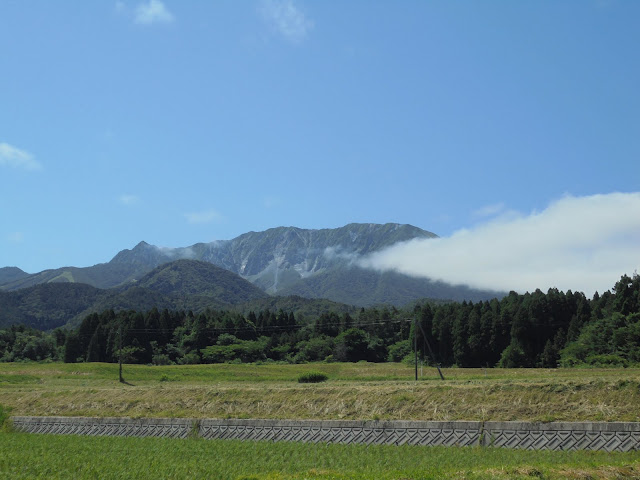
{"x": 531, "y": 330}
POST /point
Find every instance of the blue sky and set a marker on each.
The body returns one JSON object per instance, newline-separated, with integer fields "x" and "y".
{"x": 185, "y": 122}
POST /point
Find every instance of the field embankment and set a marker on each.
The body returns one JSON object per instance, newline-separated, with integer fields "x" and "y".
{"x": 355, "y": 391}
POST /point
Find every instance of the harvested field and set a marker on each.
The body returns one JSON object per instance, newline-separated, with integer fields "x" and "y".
{"x": 359, "y": 391}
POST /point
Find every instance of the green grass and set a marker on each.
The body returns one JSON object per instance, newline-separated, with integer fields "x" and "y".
{"x": 276, "y": 372}
{"x": 358, "y": 391}
{"x": 354, "y": 391}
{"x": 28, "y": 456}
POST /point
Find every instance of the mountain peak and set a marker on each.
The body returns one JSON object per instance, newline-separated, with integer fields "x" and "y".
{"x": 10, "y": 274}
{"x": 285, "y": 259}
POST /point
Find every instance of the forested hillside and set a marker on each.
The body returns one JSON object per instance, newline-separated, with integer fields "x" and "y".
{"x": 179, "y": 285}
{"x": 531, "y": 330}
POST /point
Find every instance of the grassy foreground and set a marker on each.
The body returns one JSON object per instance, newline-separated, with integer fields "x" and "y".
{"x": 27, "y": 456}
{"x": 354, "y": 391}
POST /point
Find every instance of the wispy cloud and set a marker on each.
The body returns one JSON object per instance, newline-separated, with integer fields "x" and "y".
{"x": 489, "y": 210}
{"x": 206, "y": 216}
{"x": 286, "y": 19}
{"x": 128, "y": 199}
{"x": 15, "y": 237}
{"x": 11, "y": 156}
{"x": 151, "y": 12}
{"x": 578, "y": 243}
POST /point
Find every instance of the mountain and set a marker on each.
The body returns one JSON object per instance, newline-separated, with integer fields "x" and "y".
{"x": 194, "y": 278}
{"x": 281, "y": 261}
{"x": 122, "y": 269}
{"x": 180, "y": 285}
{"x": 11, "y": 274}
{"x": 372, "y": 288}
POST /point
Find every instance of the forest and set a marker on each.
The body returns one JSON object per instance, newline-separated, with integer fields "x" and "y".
{"x": 521, "y": 330}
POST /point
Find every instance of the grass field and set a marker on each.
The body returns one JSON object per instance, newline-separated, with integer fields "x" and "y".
{"x": 26, "y": 456}
{"x": 360, "y": 391}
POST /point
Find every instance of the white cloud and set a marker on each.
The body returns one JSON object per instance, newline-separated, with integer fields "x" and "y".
{"x": 489, "y": 210}
{"x": 128, "y": 199}
{"x": 206, "y": 216}
{"x": 14, "y": 157}
{"x": 578, "y": 243}
{"x": 338, "y": 253}
{"x": 152, "y": 12}
{"x": 286, "y": 19}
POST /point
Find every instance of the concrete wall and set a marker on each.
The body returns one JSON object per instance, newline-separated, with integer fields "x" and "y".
{"x": 616, "y": 436}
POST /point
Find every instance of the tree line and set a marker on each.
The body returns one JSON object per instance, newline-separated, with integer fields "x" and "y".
{"x": 532, "y": 330}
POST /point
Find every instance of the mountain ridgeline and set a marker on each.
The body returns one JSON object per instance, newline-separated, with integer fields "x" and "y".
{"x": 182, "y": 285}
{"x": 284, "y": 261}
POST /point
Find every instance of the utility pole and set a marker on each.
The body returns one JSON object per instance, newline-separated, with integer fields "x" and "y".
{"x": 433, "y": 357}
{"x": 415, "y": 343}
{"x": 120, "y": 350}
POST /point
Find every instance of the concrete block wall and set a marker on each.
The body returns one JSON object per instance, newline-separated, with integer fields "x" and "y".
{"x": 615, "y": 436}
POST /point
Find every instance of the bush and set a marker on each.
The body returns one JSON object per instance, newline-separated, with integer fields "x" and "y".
{"x": 314, "y": 350}
{"x": 312, "y": 377}
{"x": 189, "y": 359}
{"x": 399, "y": 350}
{"x": 607, "y": 360}
{"x": 161, "y": 359}
{"x": 513, "y": 357}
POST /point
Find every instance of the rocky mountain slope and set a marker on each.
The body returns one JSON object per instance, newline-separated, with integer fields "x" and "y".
{"x": 283, "y": 260}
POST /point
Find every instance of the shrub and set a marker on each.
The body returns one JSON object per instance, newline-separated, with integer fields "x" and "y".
{"x": 513, "y": 357}
{"x": 189, "y": 359}
{"x": 606, "y": 360}
{"x": 161, "y": 359}
{"x": 312, "y": 377}
{"x": 399, "y": 350}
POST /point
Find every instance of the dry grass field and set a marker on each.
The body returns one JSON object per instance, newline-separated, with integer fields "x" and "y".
{"x": 361, "y": 391}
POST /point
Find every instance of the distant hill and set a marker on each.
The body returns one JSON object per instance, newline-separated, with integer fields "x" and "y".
{"x": 46, "y": 306}
{"x": 190, "y": 277}
{"x": 11, "y": 274}
{"x": 102, "y": 275}
{"x": 180, "y": 285}
{"x": 279, "y": 261}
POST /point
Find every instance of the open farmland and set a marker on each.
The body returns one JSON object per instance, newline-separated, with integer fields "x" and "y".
{"x": 26, "y": 456}
{"x": 355, "y": 391}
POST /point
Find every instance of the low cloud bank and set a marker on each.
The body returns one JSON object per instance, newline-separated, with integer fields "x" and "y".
{"x": 578, "y": 243}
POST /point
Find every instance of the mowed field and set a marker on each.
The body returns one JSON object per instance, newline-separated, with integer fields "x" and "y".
{"x": 354, "y": 391}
